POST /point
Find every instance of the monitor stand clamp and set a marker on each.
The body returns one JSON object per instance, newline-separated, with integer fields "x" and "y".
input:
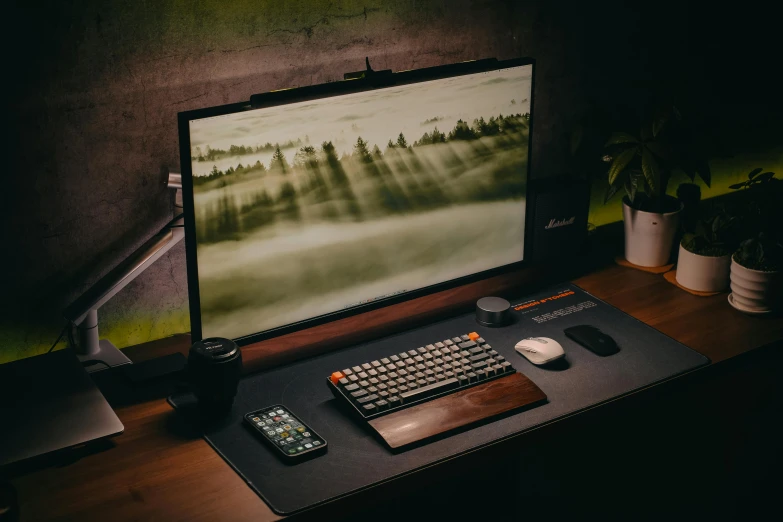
{"x": 94, "y": 353}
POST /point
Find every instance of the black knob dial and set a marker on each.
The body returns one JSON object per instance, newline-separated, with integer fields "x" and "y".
{"x": 493, "y": 311}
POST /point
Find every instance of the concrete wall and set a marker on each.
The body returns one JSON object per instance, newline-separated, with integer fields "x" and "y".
{"x": 97, "y": 86}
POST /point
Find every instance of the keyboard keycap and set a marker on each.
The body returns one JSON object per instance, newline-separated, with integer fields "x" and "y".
{"x": 359, "y": 393}
{"x": 369, "y": 409}
{"x": 344, "y": 381}
{"x": 456, "y": 340}
{"x": 478, "y": 365}
{"x": 366, "y": 366}
{"x": 357, "y": 369}
{"x": 479, "y": 357}
{"x": 385, "y": 360}
{"x": 353, "y": 378}
{"x": 364, "y": 384}
{"x": 394, "y": 400}
{"x": 375, "y": 364}
{"x": 368, "y": 398}
{"x": 448, "y": 342}
{"x": 352, "y": 387}
{"x": 427, "y": 391}
{"x": 347, "y": 372}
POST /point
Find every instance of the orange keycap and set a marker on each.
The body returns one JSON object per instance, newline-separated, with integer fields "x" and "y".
{"x": 336, "y": 376}
{"x": 473, "y": 336}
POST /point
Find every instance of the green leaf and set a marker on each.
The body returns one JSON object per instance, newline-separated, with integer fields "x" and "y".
{"x": 650, "y": 169}
{"x": 765, "y": 177}
{"x": 688, "y": 241}
{"x": 754, "y": 172}
{"x": 620, "y": 162}
{"x": 737, "y": 185}
{"x": 632, "y": 185}
{"x": 620, "y": 137}
{"x": 610, "y": 192}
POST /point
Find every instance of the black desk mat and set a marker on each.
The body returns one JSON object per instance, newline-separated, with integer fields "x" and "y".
{"x": 356, "y": 460}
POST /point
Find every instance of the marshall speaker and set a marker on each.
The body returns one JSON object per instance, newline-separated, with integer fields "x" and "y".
{"x": 560, "y": 208}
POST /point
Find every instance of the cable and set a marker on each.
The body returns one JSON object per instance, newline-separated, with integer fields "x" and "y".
{"x": 67, "y": 325}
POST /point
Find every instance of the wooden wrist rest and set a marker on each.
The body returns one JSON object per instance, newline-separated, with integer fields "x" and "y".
{"x": 456, "y": 410}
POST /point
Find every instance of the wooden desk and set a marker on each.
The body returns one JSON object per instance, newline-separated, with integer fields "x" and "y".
{"x": 156, "y": 473}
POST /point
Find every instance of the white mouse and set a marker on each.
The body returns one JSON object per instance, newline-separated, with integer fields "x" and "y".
{"x": 540, "y": 350}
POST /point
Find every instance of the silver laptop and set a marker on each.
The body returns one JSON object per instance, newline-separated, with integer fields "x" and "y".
{"x": 49, "y": 403}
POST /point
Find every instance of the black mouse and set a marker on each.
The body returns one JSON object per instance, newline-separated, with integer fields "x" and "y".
{"x": 593, "y": 339}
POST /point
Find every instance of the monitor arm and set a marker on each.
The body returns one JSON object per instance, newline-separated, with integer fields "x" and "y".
{"x": 83, "y": 312}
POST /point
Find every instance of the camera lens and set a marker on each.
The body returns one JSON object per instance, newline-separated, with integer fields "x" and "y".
{"x": 214, "y": 368}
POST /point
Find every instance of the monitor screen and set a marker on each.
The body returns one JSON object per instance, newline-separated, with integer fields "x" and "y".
{"x": 305, "y": 209}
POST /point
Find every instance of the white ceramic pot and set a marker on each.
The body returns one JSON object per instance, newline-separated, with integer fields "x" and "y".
{"x": 755, "y": 290}
{"x": 703, "y": 273}
{"x": 649, "y": 235}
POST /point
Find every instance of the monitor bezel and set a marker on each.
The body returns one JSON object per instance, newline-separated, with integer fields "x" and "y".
{"x": 314, "y": 92}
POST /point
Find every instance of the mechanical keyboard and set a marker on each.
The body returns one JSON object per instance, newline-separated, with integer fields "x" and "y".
{"x": 376, "y": 388}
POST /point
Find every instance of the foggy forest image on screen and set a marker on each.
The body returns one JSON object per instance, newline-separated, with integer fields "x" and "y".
{"x": 313, "y": 207}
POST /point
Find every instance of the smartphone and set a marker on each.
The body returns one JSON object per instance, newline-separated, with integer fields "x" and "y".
{"x": 291, "y": 438}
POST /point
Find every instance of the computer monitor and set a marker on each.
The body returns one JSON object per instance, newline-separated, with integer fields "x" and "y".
{"x": 325, "y": 201}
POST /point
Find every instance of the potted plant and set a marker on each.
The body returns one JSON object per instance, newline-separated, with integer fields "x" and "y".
{"x": 704, "y": 260}
{"x": 757, "y": 266}
{"x": 642, "y": 166}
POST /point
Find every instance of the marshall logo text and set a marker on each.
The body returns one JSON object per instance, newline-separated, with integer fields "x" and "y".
{"x": 562, "y": 223}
